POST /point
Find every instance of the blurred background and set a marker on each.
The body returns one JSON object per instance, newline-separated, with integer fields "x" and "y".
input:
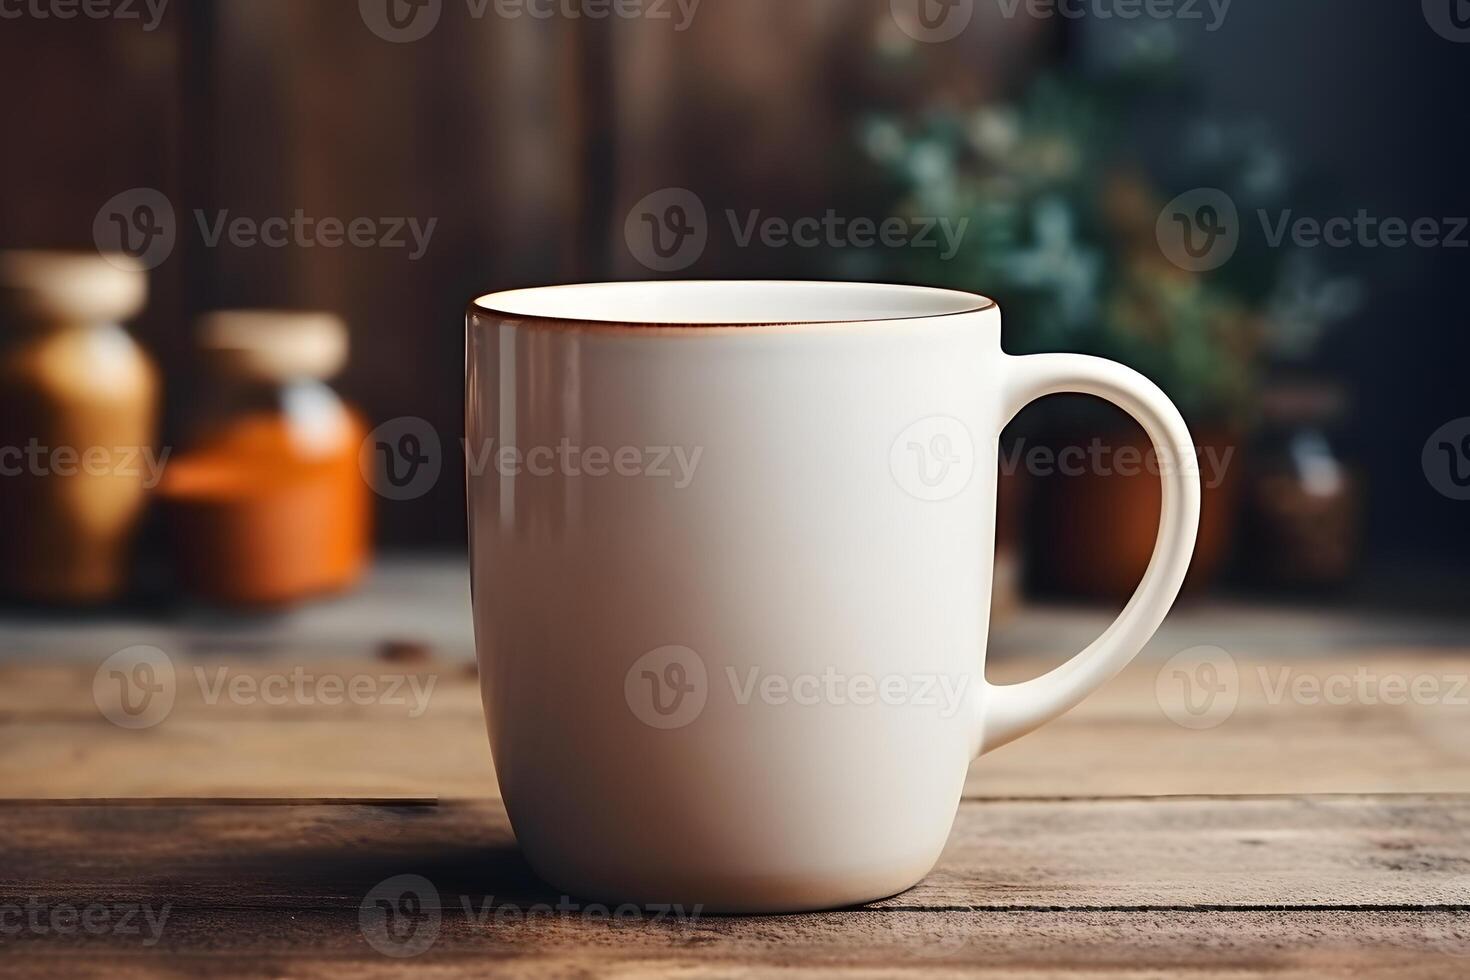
{"x": 1259, "y": 205}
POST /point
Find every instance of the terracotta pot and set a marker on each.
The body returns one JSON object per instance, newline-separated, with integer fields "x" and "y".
{"x": 1005, "y": 590}
{"x": 1093, "y": 527}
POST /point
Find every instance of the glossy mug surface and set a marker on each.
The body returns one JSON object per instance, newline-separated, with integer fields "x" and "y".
{"x": 732, "y": 547}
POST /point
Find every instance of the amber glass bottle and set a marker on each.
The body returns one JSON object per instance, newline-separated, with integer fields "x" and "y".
{"x": 78, "y": 405}
{"x": 267, "y": 505}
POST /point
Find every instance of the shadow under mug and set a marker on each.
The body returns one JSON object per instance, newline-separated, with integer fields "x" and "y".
{"x": 732, "y": 547}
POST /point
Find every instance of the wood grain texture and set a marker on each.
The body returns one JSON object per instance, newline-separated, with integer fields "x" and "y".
{"x": 1063, "y": 860}
{"x": 863, "y": 945}
{"x": 1119, "y": 743}
{"x": 1381, "y": 853}
{"x": 1123, "y": 888}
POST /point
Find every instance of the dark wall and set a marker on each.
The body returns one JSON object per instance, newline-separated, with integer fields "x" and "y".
{"x": 1366, "y": 99}
{"x": 528, "y": 142}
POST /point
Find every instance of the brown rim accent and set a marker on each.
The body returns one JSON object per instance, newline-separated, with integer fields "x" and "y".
{"x": 571, "y": 323}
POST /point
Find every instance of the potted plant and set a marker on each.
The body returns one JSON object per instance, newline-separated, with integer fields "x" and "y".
{"x": 1064, "y": 199}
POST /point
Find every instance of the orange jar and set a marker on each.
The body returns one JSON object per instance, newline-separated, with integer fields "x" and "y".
{"x": 268, "y": 505}
{"x": 78, "y": 406}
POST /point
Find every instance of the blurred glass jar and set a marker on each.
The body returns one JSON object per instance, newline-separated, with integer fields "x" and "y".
{"x": 78, "y": 411}
{"x": 267, "y": 505}
{"x": 1305, "y": 498}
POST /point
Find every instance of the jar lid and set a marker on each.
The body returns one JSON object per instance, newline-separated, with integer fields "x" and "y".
{"x": 275, "y": 345}
{"x": 71, "y": 287}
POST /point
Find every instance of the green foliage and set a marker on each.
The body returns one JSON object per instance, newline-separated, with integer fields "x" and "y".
{"x": 1063, "y": 198}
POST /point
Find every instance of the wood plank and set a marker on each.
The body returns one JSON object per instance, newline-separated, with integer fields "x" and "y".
{"x": 1119, "y": 743}
{"x": 1123, "y": 888}
{"x": 1328, "y": 724}
{"x": 857, "y": 945}
{"x": 1391, "y": 852}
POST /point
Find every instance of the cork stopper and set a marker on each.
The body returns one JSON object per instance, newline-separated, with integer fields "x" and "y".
{"x": 70, "y": 287}
{"x": 275, "y": 345}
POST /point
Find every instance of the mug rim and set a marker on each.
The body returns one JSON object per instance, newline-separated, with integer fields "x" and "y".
{"x": 510, "y": 304}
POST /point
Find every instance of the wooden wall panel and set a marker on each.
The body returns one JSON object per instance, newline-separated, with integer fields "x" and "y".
{"x": 758, "y": 105}
{"x": 525, "y": 140}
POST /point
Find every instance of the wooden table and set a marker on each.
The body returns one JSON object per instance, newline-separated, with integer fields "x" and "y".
{"x": 1297, "y": 837}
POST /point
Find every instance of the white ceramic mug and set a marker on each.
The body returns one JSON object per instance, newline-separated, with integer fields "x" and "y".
{"x": 732, "y": 550}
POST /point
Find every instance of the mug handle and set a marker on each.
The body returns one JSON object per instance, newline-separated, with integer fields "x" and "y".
{"x": 1012, "y": 710}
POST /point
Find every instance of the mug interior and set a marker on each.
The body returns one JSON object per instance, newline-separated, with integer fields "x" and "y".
{"x": 729, "y": 303}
